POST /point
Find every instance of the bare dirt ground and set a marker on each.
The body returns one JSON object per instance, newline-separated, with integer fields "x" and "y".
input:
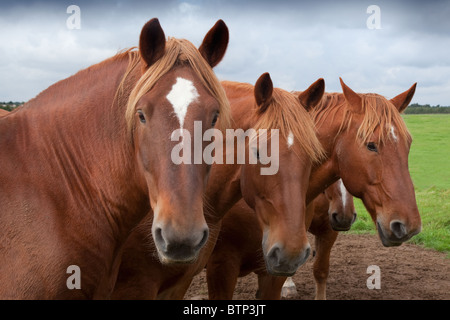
{"x": 407, "y": 272}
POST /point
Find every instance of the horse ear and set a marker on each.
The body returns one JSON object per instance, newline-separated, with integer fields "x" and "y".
{"x": 312, "y": 96}
{"x": 354, "y": 101}
{"x": 403, "y": 99}
{"x": 263, "y": 91}
{"x": 215, "y": 43}
{"x": 152, "y": 42}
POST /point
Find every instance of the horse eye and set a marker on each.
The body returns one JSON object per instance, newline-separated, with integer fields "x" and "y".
{"x": 141, "y": 116}
{"x": 371, "y": 146}
{"x": 216, "y": 115}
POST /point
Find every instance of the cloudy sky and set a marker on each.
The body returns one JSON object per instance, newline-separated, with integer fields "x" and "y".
{"x": 297, "y": 42}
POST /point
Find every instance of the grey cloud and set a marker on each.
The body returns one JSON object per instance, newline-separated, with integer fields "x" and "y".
{"x": 296, "y": 41}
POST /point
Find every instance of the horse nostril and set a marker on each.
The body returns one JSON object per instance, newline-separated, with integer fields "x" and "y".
{"x": 159, "y": 239}
{"x": 274, "y": 255}
{"x": 398, "y": 229}
{"x": 204, "y": 238}
{"x": 354, "y": 217}
{"x": 307, "y": 253}
{"x": 334, "y": 217}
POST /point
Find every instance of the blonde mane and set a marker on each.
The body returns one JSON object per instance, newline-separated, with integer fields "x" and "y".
{"x": 177, "y": 52}
{"x": 286, "y": 114}
{"x": 378, "y": 113}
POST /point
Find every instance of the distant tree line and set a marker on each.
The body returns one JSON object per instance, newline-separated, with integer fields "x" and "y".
{"x": 416, "y": 108}
{"x": 10, "y": 105}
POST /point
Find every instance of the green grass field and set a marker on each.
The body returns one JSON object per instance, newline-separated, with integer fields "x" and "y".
{"x": 429, "y": 165}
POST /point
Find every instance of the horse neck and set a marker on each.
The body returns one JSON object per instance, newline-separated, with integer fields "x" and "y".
{"x": 78, "y": 132}
{"x": 327, "y": 172}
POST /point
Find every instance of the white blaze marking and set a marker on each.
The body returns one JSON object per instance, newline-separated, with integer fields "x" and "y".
{"x": 393, "y": 133}
{"x": 183, "y": 93}
{"x": 343, "y": 192}
{"x": 290, "y": 140}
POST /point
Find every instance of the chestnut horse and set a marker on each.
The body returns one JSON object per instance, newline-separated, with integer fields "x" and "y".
{"x": 334, "y": 210}
{"x": 367, "y": 144}
{"x": 84, "y": 162}
{"x": 278, "y": 199}
{"x": 3, "y": 112}
{"x": 240, "y": 245}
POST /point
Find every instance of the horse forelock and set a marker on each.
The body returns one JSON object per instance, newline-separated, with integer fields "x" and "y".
{"x": 378, "y": 113}
{"x": 381, "y": 113}
{"x": 178, "y": 52}
{"x": 286, "y": 114}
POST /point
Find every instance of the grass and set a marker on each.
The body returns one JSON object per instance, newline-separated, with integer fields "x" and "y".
{"x": 429, "y": 165}
{"x": 429, "y": 159}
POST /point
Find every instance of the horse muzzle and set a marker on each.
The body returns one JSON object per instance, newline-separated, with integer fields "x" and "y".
{"x": 174, "y": 248}
{"x": 340, "y": 222}
{"x": 281, "y": 263}
{"x": 396, "y": 234}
